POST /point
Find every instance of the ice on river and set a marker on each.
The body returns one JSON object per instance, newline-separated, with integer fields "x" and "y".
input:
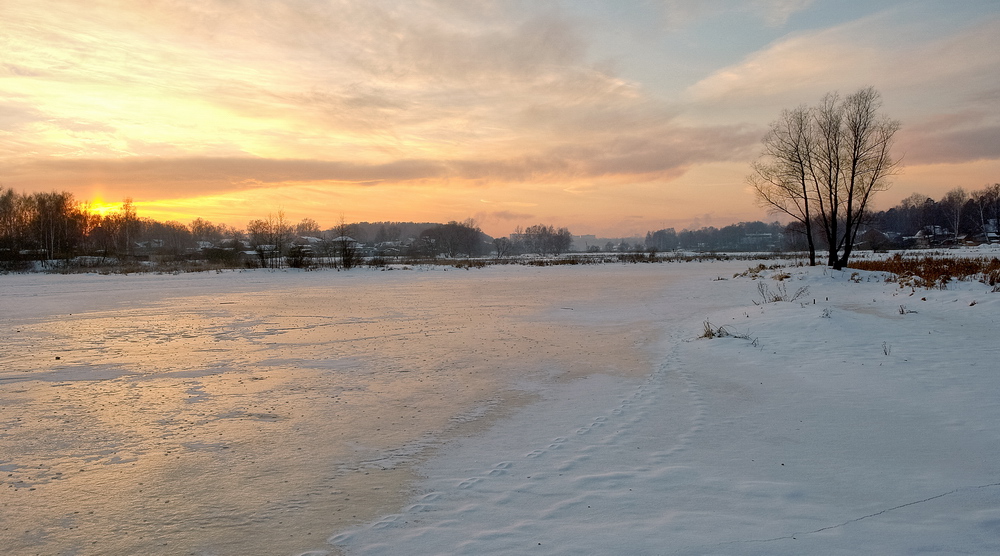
{"x": 568, "y": 410}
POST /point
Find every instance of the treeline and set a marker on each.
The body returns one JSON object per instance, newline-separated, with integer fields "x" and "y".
{"x": 958, "y": 217}
{"x": 919, "y": 221}
{"x": 539, "y": 239}
{"x": 742, "y": 237}
{"x": 54, "y": 226}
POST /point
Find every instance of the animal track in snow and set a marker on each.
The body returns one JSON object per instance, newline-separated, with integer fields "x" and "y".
{"x": 387, "y": 521}
{"x": 622, "y": 429}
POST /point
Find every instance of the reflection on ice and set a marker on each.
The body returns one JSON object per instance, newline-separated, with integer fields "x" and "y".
{"x": 253, "y": 412}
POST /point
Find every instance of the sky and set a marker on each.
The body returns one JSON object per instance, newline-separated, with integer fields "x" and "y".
{"x": 607, "y": 117}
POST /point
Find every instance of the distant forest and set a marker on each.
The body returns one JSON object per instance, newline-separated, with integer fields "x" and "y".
{"x": 54, "y": 226}
{"x": 958, "y": 218}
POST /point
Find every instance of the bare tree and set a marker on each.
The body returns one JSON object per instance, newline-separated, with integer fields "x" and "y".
{"x": 123, "y": 227}
{"x": 270, "y": 238}
{"x": 203, "y": 230}
{"x": 828, "y": 162}
{"x": 345, "y": 246}
{"x": 952, "y": 206}
{"x": 780, "y": 177}
{"x": 869, "y": 161}
{"x": 13, "y": 224}
{"x": 503, "y": 246}
{"x": 545, "y": 240}
{"x": 257, "y": 234}
{"x": 170, "y": 239}
{"x": 987, "y": 207}
{"x": 307, "y": 227}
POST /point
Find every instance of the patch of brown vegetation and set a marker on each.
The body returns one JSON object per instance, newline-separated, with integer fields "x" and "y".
{"x": 931, "y": 272}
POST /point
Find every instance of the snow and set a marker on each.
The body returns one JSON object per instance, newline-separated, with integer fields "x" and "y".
{"x": 561, "y": 410}
{"x": 812, "y": 439}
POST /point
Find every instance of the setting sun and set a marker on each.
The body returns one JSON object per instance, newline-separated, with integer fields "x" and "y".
{"x": 101, "y": 208}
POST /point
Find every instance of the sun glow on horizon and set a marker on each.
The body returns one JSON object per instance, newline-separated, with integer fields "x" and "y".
{"x": 101, "y": 207}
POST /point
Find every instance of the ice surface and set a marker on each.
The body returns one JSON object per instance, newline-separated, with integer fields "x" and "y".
{"x": 259, "y": 412}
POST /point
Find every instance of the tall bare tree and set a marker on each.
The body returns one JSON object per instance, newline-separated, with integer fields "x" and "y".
{"x": 827, "y": 162}
{"x": 203, "y": 230}
{"x": 454, "y": 239}
{"x": 545, "y": 240}
{"x": 503, "y": 247}
{"x": 869, "y": 136}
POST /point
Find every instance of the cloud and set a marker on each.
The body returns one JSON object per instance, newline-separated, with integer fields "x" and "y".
{"x": 508, "y": 215}
{"x": 662, "y": 151}
{"x": 301, "y": 78}
{"x": 16, "y": 70}
{"x": 795, "y": 65}
{"x": 950, "y": 140}
{"x": 925, "y": 76}
{"x": 380, "y": 39}
{"x": 527, "y": 50}
{"x": 15, "y": 115}
{"x": 777, "y": 12}
{"x": 873, "y": 50}
{"x": 179, "y": 177}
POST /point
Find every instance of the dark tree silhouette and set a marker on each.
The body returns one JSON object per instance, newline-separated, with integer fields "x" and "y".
{"x": 828, "y": 161}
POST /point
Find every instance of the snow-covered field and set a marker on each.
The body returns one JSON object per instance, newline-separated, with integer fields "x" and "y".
{"x": 506, "y": 410}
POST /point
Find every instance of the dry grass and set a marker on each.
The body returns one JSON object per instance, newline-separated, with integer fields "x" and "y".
{"x": 930, "y": 272}
{"x": 711, "y": 331}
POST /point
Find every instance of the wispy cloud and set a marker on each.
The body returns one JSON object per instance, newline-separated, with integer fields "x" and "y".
{"x": 664, "y": 151}
{"x": 923, "y": 81}
{"x": 858, "y": 53}
{"x": 955, "y": 141}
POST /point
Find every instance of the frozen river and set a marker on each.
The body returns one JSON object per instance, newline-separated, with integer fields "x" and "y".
{"x": 260, "y": 412}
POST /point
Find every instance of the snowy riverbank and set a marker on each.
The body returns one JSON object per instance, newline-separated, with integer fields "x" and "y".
{"x": 862, "y": 418}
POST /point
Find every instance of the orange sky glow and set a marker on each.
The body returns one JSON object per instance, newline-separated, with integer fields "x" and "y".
{"x": 609, "y": 118}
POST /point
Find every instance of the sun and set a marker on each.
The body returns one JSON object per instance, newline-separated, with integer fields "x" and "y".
{"x": 102, "y": 208}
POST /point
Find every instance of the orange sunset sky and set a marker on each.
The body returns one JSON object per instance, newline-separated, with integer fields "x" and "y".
{"x": 607, "y": 117}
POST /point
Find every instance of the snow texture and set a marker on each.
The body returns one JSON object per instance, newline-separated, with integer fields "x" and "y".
{"x": 840, "y": 424}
